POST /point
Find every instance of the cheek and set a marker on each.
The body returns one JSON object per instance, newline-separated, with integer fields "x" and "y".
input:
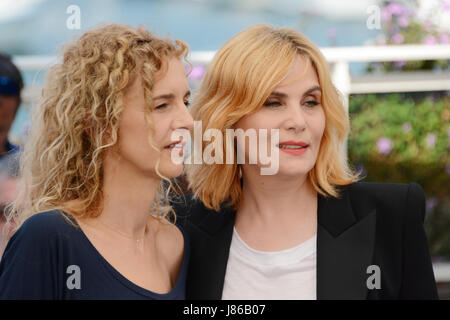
{"x": 161, "y": 130}
{"x": 262, "y": 119}
{"x": 265, "y": 120}
{"x": 133, "y": 136}
{"x": 257, "y": 121}
{"x": 253, "y": 123}
{"x": 317, "y": 128}
{"x": 133, "y": 128}
{"x": 319, "y": 125}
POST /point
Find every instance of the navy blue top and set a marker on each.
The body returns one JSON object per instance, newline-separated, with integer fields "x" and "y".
{"x": 48, "y": 258}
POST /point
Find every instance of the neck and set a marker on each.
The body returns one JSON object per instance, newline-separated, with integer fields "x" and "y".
{"x": 128, "y": 198}
{"x": 275, "y": 197}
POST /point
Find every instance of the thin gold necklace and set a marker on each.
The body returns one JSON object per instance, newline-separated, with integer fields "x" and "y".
{"x": 138, "y": 240}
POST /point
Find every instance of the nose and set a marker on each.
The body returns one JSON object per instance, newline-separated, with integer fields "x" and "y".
{"x": 294, "y": 119}
{"x": 184, "y": 119}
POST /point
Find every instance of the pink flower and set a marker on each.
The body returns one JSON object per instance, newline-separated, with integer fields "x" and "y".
{"x": 406, "y": 127}
{"x": 399, "y": 64}
{"x": 430, "y": 203}
{"x": 384, "y": 146}
{"x": 430, "y": 40}
{"x": 396, "y": 8}
{"x": 431, "y": 140}
{"x": 397, "y": 38}
{"x": 444, "y": 38}
{"x": 403, "y": 21}
{"x": 196, "y": 72}
{"x": 386, "y": 15}
{"x": 446, "y": 5}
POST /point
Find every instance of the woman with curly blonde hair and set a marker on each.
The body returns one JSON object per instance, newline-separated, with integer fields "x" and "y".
{"x": 309, "y": 229}
{"x": 92, "y": 213}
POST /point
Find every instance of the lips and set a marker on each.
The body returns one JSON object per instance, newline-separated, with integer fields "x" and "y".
{"x": 176, "y": 144}
{"x": 295, "y": 148}
{"x": 292, "y": 145}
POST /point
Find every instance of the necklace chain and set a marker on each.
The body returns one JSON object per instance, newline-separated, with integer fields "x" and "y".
{"x": 123, "y": 234}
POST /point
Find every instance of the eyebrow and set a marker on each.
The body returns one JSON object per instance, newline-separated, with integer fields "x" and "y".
{"x": 309, "y": 91}
{"x": 170, "y": 96}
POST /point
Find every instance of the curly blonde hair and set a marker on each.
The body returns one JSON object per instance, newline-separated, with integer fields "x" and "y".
{"x": 78, "y": 116}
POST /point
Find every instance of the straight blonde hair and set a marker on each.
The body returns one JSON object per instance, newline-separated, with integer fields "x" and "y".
{"x": 240, "y": 78}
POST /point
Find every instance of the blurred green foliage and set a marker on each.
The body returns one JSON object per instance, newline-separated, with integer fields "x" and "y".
{"x": 399, "y": 139}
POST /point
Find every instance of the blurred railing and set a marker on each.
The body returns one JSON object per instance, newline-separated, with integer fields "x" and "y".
{"x": 339, "y": 59}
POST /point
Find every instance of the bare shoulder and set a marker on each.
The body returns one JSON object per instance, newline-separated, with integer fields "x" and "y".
{"x": 170, "y": 243}
{"x": 171, "y": 234}
{"x": 170, "y": 240}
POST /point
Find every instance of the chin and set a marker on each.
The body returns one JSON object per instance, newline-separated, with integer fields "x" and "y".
{"x": 292, "y": 173}
{"x": 171, "y": 170}
{"x": 293, "y": 170}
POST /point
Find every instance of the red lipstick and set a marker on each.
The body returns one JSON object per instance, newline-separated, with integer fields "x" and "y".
{"x": 293, "y": 147}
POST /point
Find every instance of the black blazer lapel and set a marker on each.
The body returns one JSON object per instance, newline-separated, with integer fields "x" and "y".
{"x": 211, "y": 254}
{"x": 344, "y": 249}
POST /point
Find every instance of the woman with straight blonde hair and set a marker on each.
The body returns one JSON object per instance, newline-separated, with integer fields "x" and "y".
{"x": 309, "y": 229}
{"x": 92, "y": 214}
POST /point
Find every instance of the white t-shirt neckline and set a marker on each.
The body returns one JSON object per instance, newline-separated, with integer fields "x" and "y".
{"x": 273, "y": 258}
{"x": 266, "y": 275}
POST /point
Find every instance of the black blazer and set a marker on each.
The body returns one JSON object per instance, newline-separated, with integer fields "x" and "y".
{"x": 371, "y": 224}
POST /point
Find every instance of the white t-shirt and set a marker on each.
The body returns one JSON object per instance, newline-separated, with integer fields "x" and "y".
{"x": 277, "y": 275}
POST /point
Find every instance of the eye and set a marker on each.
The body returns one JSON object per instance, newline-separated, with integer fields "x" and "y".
{"x": 161, "y": 106}
{"x": 187, "y": 103}
{"x": 311, "y": 103}
{"x": 272, "y": 104}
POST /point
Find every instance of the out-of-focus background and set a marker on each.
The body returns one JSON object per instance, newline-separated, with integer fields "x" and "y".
{"x": 389, "y": 59}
